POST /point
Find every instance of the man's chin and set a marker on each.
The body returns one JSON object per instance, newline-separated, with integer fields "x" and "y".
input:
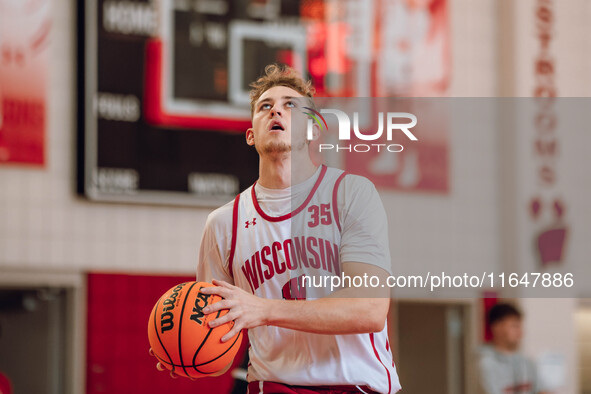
{"x": 276, "y": 148}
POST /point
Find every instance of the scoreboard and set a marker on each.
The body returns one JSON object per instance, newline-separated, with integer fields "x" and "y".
{"x": 164, "y": 87}
{"x": 163, "y": 95}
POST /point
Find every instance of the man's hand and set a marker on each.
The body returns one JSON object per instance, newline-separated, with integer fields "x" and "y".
{"x": 161, "y": 367}
{"x": 173, "y": 375}
{"x": 245, "y": 309}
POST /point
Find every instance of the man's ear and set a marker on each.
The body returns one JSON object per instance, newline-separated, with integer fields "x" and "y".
{"x": 250, "y": 136}
{"x": 315, "y": 131}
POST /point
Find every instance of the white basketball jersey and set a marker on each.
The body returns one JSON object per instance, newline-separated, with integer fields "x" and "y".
{"x": 268, "y": 256}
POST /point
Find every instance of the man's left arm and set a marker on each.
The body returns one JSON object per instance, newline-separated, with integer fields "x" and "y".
{"x": 346, "y": 311}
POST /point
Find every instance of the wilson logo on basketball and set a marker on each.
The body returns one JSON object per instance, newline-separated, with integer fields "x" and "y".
{"x": 166, "y": 319}
{"x": 201, "y": 301}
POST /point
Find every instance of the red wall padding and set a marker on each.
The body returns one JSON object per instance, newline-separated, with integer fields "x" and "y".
{"x": 490, "y": 299}
{"x": 117, "y": 341}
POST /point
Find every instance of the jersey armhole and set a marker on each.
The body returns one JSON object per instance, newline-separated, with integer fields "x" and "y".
{"x": 234, "y": 232}
{"x": 335, "y": 206}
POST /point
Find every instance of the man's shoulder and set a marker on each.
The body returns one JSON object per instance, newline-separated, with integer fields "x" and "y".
{"x": 355, "y": 187}
{"x": 222, "y": 216}
{"x": 489, "y": 360}
{"x": 349, "y": 179}
{"x": 486, "y": 352}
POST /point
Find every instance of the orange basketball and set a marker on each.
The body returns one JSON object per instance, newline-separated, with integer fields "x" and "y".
{"x": 180, "y": 336}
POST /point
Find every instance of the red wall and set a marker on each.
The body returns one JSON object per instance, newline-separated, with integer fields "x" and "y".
{"x": 117, "y": 342}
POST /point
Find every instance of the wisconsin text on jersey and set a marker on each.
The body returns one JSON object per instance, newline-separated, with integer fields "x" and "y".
{"x": 302, "y": 252}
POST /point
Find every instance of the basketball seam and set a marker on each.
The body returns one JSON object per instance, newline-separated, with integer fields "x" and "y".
{"x": 201, "y": 345}
{"x": 225, "y": 351}
{"x": 207, "y": 362}
{"x": 181, "y": 326}
{"x": 158, "y": 335}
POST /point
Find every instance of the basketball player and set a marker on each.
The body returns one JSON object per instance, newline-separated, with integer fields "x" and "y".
{"x": 300, "y": 219}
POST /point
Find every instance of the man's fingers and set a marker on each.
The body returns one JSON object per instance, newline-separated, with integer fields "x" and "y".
{"x": 221, "y": 320}
{"x": 216, "y": 306}
{"x": 173, "y": 375}
{"x": 160, "y": 367}
{"x": 221, "y": 291}
{"x": 235, "y": 330}
{"x": 221, "y": 283}
{"x": 151, "y": 352}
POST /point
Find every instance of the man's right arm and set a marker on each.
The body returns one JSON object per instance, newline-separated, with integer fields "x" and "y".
{"x": 215, "y": 247}
{"x": 212, "y": 262}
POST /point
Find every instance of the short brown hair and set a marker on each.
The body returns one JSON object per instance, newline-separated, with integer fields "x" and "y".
{"x": 279, "y": 75}
{"x": 501, "y": 311}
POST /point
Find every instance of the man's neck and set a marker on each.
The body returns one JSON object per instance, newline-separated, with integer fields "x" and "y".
{"x": 502, "y": 348}
{"x": 284, "y": 170}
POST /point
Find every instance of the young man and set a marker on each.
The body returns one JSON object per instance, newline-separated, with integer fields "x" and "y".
{"x": 300, "y": 219}
{"x": 503, "y": 370}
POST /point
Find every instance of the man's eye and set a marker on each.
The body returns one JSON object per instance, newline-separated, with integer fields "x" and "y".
{"x": 290, "y": 104}
{"x": 265, "y": 106}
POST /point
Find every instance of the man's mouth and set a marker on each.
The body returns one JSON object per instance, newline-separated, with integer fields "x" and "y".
{"x": 276, "y": 126}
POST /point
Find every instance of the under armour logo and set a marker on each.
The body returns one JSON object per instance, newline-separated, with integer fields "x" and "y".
{"x": 248, "y": 223}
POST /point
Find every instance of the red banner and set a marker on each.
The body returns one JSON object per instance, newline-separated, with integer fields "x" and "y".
{"x": 24, "y": 64}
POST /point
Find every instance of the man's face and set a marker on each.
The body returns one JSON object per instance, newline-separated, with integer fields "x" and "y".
{"x": 275, "y": 113}
{"x": 508, "y": 332}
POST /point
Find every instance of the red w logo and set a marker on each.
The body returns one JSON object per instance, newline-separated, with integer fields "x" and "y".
{"x": 294, "y": 289}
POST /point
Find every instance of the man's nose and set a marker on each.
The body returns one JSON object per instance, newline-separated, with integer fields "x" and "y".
{"x": 275, "y": 111}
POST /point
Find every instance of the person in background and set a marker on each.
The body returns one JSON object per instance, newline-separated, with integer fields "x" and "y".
{"x": 503, "y": 369}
